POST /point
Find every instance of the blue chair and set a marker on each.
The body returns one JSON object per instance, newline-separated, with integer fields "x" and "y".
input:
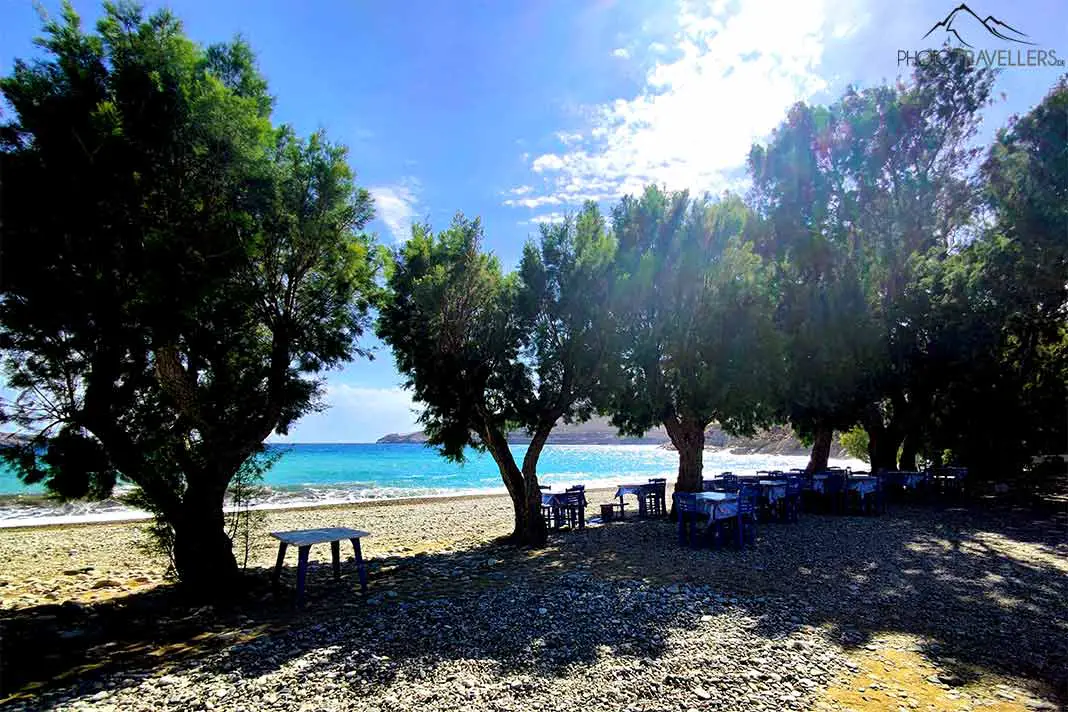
{"x": 877, "y": 505}
{"x": 689, "y": 515}
{"x": 655, "y": 497}
{"x": 792, "y": 505}
{"x": 549, "y": 512}
{"x": 748, "y": 497}
{"x": 728, "y": 482}
{"x": 574, "y": 506}
{"x": 835, "y": 489}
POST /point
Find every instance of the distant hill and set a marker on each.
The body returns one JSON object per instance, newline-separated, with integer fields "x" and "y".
{"x": 778, "y": 440}
{"x": 597, "y": 431}
{"x": 10, "y": 439}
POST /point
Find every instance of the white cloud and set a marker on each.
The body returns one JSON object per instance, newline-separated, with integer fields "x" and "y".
{"x": 728, "y": 78}
{"x": 521, "y": 190}
{"x": 568, "y": 137}
{"x": 356, "y": 414}
{"x": 658, "y": 48}
{"x": 536, "y": 202}
{"x": 396, "y": 205}
{"x": 621, "y": 52}
{"x": 547, "y": 162}
{"x": 544, "y": 219}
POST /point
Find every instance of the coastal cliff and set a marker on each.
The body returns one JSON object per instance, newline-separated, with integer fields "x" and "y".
{"x": 12, "y": 439}
{"x": 778, "y": 440}
{"x": 597, "y": 431}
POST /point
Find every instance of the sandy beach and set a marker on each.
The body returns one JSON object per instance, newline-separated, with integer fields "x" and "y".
{"x": 962, "y": 608}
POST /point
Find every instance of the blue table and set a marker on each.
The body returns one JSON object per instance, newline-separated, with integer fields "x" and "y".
{"x": 906, "y": 480}
{"x": 556, "y": 499}
{"x": 773, "y": 490}
{"x": 639, "y": 490}
{"x": 718, "y": 505}
{"x": 863, "y": 485}
{"x": 303, "y": 539}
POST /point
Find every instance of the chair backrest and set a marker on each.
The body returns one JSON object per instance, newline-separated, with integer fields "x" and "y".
{"x": 747, "y": 499}
{"x": 794, "y": 485}
{"x": 571, "y": 498}
{"x": 686, "y": 502}
{"x": 658, "y": 480}
{"x": 545, "y": 487}
{"x": 577, "y": 488}
{"x": 835, "y": 483}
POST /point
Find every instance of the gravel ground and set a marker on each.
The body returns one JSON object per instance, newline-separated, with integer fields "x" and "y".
{"x": 923, "y": 608}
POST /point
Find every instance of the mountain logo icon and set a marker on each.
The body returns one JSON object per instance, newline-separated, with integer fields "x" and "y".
{"x": 961, "y": 17}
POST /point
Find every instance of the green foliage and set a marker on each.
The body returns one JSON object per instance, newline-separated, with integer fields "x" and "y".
{"x": 243, "y": 522}
{"x": 565, "y": 282}
{"x": 202, "y": 269}
{"x": 448, "y": 318}
{"x": 855, "y": 442}
{"x": 994, "y": 345}
{"x": 849, "y": 195}
{"x": 485, "y": 352}
{"x": 693, "y": 311}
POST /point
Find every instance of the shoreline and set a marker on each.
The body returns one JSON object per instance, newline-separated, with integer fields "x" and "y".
{"x": 37, "y": 510}
{"x": 130, "y": 518}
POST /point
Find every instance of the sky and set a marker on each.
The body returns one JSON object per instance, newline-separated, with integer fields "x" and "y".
{"x": 519, "y": 110}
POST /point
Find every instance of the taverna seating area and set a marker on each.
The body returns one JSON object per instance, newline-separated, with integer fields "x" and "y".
{"x": 730, "y": 507}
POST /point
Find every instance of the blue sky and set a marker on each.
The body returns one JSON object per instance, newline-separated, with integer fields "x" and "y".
{"x": 519, "y": 110}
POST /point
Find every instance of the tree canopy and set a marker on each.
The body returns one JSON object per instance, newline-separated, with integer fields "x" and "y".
{"x": 852, "y": 194}
{"x": 486, "y": 352}
{"x": 203, "y": 266}
{"x": 693, "y": 314}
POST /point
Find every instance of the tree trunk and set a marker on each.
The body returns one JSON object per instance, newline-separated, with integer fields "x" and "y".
{"x": 688, "y": 437}
{"x": 522, "y": 489}
{"x": 821, "y": 449}
{"x": 883, "y": 443}
{"x": 203, "y": 554}
{"x": 909, "y": 450}
{"x": 536, "y": 532}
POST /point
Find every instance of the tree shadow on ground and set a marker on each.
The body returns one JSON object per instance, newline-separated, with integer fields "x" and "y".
{"x": 983, "y": 589}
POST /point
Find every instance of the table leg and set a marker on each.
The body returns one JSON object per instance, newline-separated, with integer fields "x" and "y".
{"x": 360, "y": 567}
{"x": 302, "y": 572}
{"x": 335, "y": 553}
{"x": 282, "y": 546}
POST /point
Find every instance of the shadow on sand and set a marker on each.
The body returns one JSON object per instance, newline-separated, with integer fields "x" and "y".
{"x": 984, "y": 588}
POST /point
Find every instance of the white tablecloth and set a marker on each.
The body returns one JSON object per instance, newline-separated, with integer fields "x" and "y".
{"x": 718, "y": 505}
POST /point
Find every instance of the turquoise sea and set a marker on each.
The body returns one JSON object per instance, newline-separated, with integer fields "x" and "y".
{"x": 335, "y": 473}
